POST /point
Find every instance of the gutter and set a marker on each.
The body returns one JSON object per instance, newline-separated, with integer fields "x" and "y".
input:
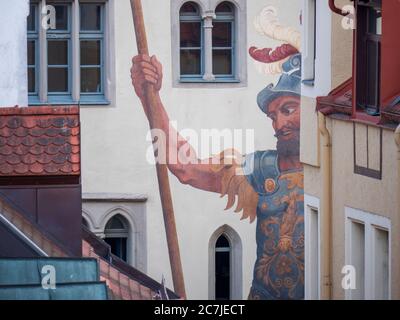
{"x": 326, "y": 210}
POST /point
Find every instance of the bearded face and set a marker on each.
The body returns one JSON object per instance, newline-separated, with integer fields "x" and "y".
{"x": 285, "y": 115}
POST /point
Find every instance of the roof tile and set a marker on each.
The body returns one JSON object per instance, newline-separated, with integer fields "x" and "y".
{"x": 39, "y": 141}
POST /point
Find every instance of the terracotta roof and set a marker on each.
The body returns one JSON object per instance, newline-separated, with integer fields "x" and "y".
{"x": 39, "y": 141}
{"x": 124, "y": 281}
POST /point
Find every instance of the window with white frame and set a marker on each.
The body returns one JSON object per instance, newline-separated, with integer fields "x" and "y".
{"x": 312, "y": 248}
{"x": 66, "y": 51}
{"x": 209, "y": 39}
{"x": 309, "y": 15}
{"x": 368, "y": 251}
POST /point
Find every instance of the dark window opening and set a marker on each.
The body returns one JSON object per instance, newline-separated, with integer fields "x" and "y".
{"x": 369, "y": 31}
{"x": 85, "y": 223}
{"x": 224, "y": 7}
{"x": 118, "y": 247}
{"x": 222, "y": 269}
{"x": 190, "y": 8}
{"x": 116, "y": 235}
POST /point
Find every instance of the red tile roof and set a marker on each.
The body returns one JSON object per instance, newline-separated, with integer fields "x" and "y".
{"x": 39, "y": 141}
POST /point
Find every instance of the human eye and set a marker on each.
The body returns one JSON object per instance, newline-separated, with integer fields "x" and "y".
{"x": 289, "y": 109}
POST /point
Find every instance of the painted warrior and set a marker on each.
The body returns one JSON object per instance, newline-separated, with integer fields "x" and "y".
{"x": 268, "y": 185}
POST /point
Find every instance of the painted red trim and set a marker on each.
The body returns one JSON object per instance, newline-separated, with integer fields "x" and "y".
{"x": 362, "y": 117}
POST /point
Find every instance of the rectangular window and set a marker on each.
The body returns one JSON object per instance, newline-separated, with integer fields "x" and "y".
{"x": 66, "y": 59}
{"x": 191, "y": 38}
{"x": 59, "y": 55}
{"x": 312, "y": 248}
{"x": 223, "y": 49}
{"x": 369, "y": 32}
{"x": 309, "y": 21}
{"x": 381, "y": 264}
{"x": 91, "y": 38}
{"x": 357, "y": 258}
{"x": 368, "y": 251}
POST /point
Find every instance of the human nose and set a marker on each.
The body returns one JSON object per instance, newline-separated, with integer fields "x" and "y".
{"x": 279, "y": 121}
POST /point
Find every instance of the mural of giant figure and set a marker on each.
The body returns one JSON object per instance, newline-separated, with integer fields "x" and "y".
{"x": 268, "y": 185}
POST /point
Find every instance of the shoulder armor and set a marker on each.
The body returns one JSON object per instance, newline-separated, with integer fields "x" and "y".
{"x": 261, "y": 166}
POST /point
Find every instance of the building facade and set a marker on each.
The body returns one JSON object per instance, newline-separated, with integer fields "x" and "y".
{"x": 349, "y": 148}
{"x": 41, "y": 231}
{"x": 217, "y": 90}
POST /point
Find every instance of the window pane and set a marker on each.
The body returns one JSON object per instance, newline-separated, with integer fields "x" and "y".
{"x": 32, "y": 19}
{"x": 222, "y": 242}
{"x": 31, "y": 52}
{"x": 373, "y": 73}
{"x": 31, "y": 80}
{"x": 224, "y": 7}
{"x": 57, "y": 52}
{"x": 222, "y": 275}
{"x": 61, "y": 17}
{"x": 222, "y": 62}
{"x": 190, "y": 34}
{"x": 189, "y": 7}
{"x": 90, "y": 80}
{"x": 222, "y": 34}
{"x": 118, "y": 247}
{"x": 58, "y": 79}
{"x": 115, "y": 223}
{"x": 190, "y": 62}
{"x": 357, "y": 258}
{"x": 375, "y": 21}
{"x": 90, "y": 17}
{"x": 90, "y": 52}
{"x": 381, "y": 264}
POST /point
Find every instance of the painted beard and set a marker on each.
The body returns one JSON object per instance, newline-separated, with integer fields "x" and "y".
{"x": 288, "y": 148}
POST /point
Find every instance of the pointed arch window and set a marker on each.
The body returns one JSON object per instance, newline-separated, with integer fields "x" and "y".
{"x": 116, "y": 235}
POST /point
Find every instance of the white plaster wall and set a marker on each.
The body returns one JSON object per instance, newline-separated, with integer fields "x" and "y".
{"x": 114, "y": 143}
{"x": 13, "y": 53}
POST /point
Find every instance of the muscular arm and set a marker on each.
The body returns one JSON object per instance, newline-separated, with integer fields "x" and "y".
{"x": 185, "y": 165}
{"x": 182, "y": 159}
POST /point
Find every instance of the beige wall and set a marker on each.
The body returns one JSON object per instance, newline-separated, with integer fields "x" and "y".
{"x": 342, "y": 48}
{"x": 380, "y": 197}
{"x": 371, "y": 195}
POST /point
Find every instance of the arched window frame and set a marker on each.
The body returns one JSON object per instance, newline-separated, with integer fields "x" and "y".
{"x": 236, "y": 261}
{"x": 227, "y": 17}
{"x": 126, "y": 233}
{"x": 238, "y": 78}
{"x": 187, "y": 18}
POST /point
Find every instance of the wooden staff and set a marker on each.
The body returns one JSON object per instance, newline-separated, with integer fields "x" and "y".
{"x": 162, "y": 170}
